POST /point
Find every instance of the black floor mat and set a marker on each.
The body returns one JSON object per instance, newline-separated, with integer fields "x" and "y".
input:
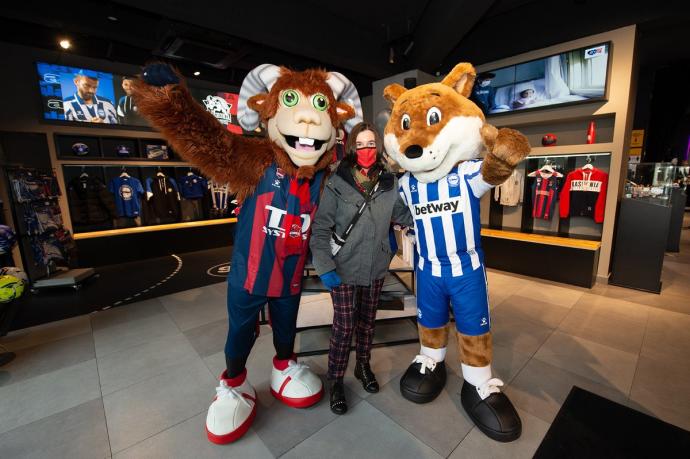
{"x": 124, "y": 283}
{"x": 590, "y": 426}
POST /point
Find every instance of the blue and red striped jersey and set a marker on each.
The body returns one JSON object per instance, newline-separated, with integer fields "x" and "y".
{"x": 272, "y": 234}
{"x": 544, "y": 195}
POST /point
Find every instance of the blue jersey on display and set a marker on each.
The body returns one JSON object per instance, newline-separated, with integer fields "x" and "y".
{"x": 446, "y": 215}
{"x": 193, "y": 186}
{"x": 127, "y": 192}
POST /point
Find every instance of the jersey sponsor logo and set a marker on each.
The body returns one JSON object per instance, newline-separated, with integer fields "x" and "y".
{"x": 453, "y": 180}
{"x": 432, "y": 209}
{"x": 585, "y": 185}
{"x": 274, "y": 227}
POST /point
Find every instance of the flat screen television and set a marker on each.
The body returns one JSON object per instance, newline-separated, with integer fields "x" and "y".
{"x": 571, "y": 77}
{"x": 78, "y": 95}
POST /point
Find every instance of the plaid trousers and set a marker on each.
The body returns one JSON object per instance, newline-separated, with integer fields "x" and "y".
{"x": 352, "y": 313}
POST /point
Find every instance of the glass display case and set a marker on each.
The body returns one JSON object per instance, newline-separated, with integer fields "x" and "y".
{"x": 655, "y": 181}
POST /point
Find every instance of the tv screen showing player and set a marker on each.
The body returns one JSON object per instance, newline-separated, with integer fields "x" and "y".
{"x": 80, "y": 95}
{"x": 571, "y": 77}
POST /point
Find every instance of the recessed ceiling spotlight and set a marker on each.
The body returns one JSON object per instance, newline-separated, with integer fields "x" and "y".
{"x": 197, "y": 73}
{"x": 65, "y": 43}
{"x": 112, "y": 18}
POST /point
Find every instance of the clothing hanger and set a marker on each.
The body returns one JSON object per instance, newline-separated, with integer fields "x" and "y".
{"x": 190, "y": 173}
{"x": 160, "y": 172}
{"x": 589, "y": 163}
{"x": 124, "y": 172}
{"x": 83, "y": 173}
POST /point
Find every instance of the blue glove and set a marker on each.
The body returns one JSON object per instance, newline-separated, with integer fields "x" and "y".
{"x": 159, "y": 74}
{"x": 331, "y": 279}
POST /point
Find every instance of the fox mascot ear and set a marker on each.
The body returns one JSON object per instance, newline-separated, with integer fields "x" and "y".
{"x": 392, "y": 92}
{"x": 461, "y": 78}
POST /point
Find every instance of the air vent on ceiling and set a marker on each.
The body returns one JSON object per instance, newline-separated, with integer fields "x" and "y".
{"x": 194, "y": 51}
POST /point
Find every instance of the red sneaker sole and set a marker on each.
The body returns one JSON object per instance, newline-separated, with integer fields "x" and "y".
{"x": 305, "y": 402}
{"x": 235, "y": 434}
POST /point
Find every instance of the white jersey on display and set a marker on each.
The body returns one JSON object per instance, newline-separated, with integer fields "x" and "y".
{"x": 446, "y": 215}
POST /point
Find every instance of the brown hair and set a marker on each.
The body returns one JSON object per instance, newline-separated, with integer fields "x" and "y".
{"x": 351, "y": 144}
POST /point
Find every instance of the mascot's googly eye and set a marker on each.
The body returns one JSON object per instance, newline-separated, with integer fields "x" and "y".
{"x": 433, "y": 116}
{"x": 290, "y": 98}
{"x": 319, "y": 101}
{"x": 405, "y": 122}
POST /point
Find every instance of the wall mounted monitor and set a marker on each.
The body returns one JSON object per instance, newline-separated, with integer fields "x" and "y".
{"x": 78, "y": 95}
{"x": 572, "y": 77}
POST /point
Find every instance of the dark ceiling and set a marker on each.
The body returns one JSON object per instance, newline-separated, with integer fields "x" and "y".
{"x": 366, "y": 40}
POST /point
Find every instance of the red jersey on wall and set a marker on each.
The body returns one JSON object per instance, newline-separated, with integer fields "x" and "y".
{"x": 584, "y": 194}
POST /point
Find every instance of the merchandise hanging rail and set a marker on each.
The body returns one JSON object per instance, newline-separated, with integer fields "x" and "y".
{"x": 147, "y": 229}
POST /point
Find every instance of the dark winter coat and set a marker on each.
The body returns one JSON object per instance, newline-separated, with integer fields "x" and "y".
{"x": 366, "y": 255}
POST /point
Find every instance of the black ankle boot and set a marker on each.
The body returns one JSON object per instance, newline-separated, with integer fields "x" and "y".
{"x": 338, "y": 402}
{"x": 366, "y": 376}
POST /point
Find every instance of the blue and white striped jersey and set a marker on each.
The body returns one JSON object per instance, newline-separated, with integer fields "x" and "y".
{"x": 446, "y": 217}
{"x": 76, "y": 109}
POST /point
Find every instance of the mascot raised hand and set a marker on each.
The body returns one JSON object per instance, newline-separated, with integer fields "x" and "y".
{"x": 277, "y": 181}
{"x": 437, "y": 134}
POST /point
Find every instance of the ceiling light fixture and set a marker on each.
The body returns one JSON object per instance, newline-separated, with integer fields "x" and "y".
{"x": 65, "y": 43}
{"x": 391, "y": 56}
{"x": 197, "y": 73}
{"x": 112, "y": 18}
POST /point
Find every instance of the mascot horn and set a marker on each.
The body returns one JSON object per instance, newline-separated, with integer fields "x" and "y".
{"x": 277, "y": 181}
{"x": 436, "y": 133}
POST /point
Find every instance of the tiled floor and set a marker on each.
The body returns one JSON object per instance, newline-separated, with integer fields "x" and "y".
{"x": 135, "y": 382}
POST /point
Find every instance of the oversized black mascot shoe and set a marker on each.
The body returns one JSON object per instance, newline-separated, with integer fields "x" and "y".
{"x": 493, "y": 415}
{"x": 424, "y": 379}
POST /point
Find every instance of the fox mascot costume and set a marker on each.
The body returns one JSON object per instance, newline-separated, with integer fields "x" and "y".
{"x": 437, "y": 134}
{"x": 277, "y": 181}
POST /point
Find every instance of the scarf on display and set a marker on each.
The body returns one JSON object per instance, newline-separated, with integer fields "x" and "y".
{"x": 298, "y": 202}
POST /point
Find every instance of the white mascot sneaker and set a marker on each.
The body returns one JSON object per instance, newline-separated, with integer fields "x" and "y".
{"x": 296, "y": 385}
{"x": 232, "y": 411}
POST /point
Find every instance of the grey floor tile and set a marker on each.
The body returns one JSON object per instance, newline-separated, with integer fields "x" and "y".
{"x": 152, "y": 406}
{"x": 613, "y": 307}
{"x": 387, "y": 363}
{"x": 597, "y": 325}
{"x": 129, "y": 366}
{"x": 196, "y": 307}
{"x": 78, "y": 432}
{"x": 534, "y": 310}
{"x": 661, "y": 388}
{"x": 210, "y": 338}
{"x": 561, "y": 294}
{"x": 260, "y": 360}
{"x": 282, "y": 428}
{"x": 46, "y": 333}
{"x": 188, "y": 440}
{"x": 36, "y": 398}
{"x": 601, "y": 364}
{"x": 47, "y": 357}
{"x": 120, "y": 328}
{"x": 479, "y": 446}
{"x": 364, "y": 432}
{"x": 667, "y": 338}
{"x": 541, "y": 389}
{"x": 441, "y": 424}
{"x": 522, "y": 335}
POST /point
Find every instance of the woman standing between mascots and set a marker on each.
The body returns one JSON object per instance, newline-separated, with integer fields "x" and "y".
{"x": 351, "y": 252}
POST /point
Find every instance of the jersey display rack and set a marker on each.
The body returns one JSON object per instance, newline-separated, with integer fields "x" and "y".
{"x": 47, "y": 248}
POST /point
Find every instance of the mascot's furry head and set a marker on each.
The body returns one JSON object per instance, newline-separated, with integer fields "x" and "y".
{"x": 301, "y": 110}
{"x": 434, "y": 126}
